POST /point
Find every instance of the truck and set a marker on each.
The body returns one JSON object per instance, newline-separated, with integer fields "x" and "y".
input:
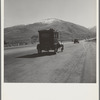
{"x": 48, "y": 40}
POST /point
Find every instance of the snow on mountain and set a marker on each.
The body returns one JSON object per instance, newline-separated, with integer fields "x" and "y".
{"x": 49, "y": 20}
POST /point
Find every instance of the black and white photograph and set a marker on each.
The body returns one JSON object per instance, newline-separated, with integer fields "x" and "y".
{"x": 50, "y": 41}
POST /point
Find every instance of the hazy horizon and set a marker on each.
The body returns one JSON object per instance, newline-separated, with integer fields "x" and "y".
{"x": 23, "y": 12}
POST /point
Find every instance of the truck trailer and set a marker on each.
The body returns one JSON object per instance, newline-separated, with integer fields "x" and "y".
{"x": 48, "y": 40}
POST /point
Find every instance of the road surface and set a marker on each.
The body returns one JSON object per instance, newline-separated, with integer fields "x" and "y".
{"x": 76, "y": 64}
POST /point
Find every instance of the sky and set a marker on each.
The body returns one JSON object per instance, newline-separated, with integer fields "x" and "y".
{"x": 19, "y": 12}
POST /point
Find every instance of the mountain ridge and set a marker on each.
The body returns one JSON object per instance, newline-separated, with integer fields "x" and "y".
{"x": 29, "y": 33}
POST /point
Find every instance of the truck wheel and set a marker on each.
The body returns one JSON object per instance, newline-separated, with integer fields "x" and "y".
{"x": 62, "y": 48}
{"x": 39, "y": 51}
{"x": 55, "y": 50}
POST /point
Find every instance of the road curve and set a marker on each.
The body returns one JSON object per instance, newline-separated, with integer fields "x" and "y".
{"x": 76, "y": 64}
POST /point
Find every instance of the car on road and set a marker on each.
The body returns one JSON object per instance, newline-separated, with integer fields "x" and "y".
{"x": 76, "y": 41}
{"x": 48, "y": 40}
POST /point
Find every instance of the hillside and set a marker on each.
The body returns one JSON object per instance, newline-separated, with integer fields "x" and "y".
{"x": 26, "y": 34}
{"x": 93, "y": 29}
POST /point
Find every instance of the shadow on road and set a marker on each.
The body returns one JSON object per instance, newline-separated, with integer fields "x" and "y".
{"x": 37, "y": 55}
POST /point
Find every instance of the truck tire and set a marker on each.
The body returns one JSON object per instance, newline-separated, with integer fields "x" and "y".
{"x": 39, "y": 49}
{"x": 55, "y": 49}
{"x": 62, "y": 48}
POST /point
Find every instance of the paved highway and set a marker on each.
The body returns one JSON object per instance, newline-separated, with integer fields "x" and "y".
{"x": 76, "y": 64}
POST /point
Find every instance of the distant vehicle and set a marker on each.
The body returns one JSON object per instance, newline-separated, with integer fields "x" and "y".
{"x": 76, "y": 41}
{"x": 48, "y": 40}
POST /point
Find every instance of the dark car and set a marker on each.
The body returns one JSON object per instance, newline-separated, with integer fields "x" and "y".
{"x": 76, "y": 41}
